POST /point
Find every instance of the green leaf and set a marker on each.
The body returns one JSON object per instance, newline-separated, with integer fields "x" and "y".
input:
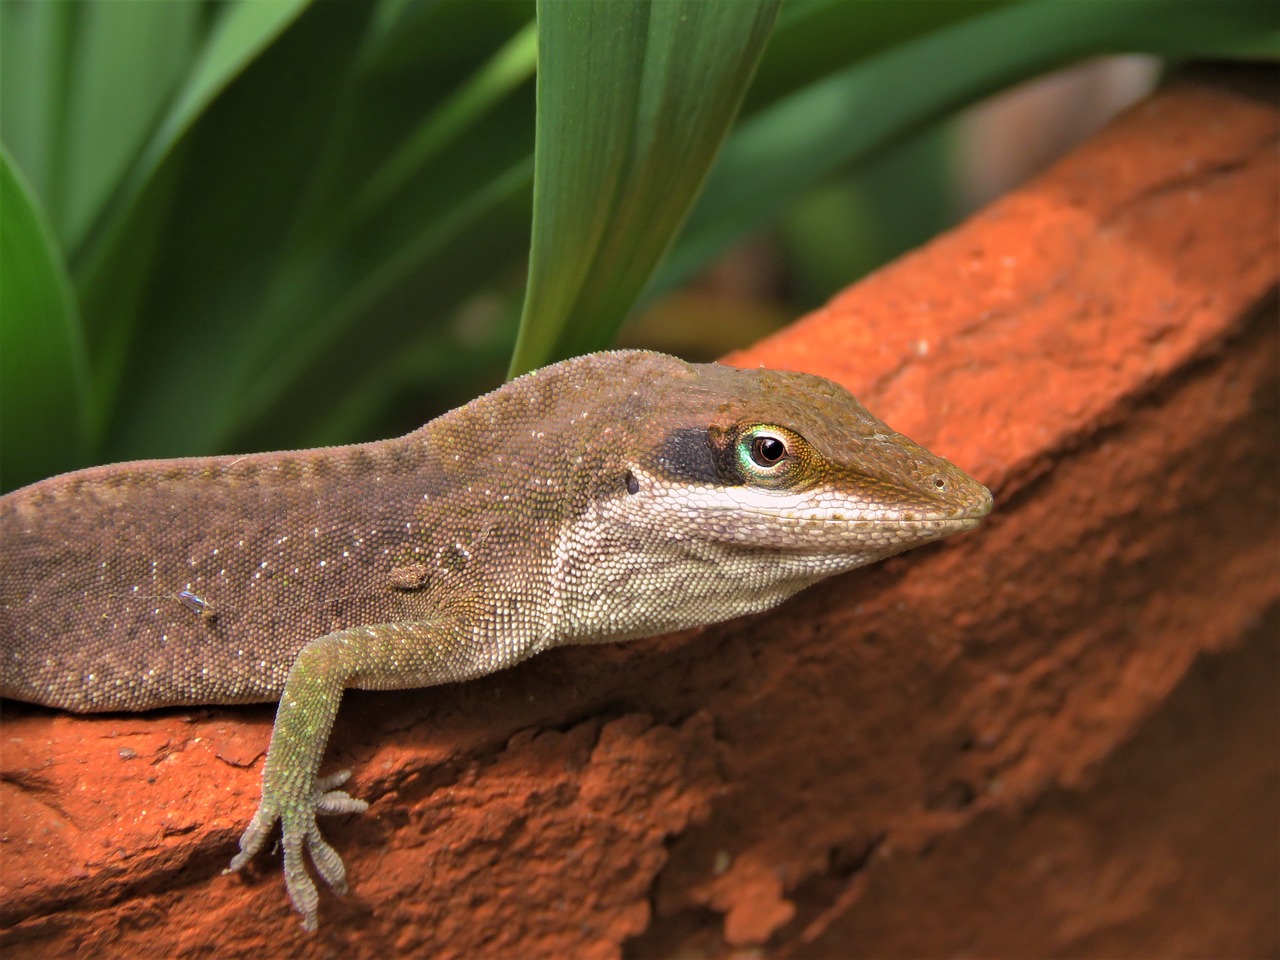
{"x": 125, "y": 64}
{"x": 243, "y": 30}
{"x": 899, "y": 199}
{"x": 350, "y": 340}
{"x": 815, "y": 38}
{"x": 35, "y": 47}
{"x": 774, "y": 157}
{"x": 119, "y": 264}
{"x": 634, "y": 100}
{"x": 254, "y": 325}
{"x": 42, "y": 367}
{"x": 511, "y": 65}
{"x": 171, "y": 300}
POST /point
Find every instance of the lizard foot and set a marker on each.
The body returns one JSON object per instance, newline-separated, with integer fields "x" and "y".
{"x": 298, "y": 827}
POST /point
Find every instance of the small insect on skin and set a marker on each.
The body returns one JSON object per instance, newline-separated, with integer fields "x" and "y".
{"x": 410, "y": 577}
{"x": 197, "y": 605}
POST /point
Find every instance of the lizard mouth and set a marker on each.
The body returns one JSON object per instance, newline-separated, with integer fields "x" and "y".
{"x": 957, "y": 524}
{"x": 803, "y": 519}
{"x": 952, "y": 522}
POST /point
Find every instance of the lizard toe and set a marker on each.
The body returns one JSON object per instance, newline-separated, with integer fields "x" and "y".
{"x": 336, "y": 801}
{"x": 325, "y": 784}
{"x": 327, "y": 862}
{"x": 302, "y": 890}
{"x": 254, "y": 836}
{"x": 329, "y": 801}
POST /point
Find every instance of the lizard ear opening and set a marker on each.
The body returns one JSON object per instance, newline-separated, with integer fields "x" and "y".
{"x": 633, "y": 485}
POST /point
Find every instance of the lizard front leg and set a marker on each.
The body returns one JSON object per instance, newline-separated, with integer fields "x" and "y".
{"x": 382, "y": 656}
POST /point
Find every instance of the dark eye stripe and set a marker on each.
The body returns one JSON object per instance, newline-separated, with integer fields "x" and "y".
{"x": 687, "y": 455}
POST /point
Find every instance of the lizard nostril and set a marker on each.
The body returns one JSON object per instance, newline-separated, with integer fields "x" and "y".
{"x": 940, "y": 483}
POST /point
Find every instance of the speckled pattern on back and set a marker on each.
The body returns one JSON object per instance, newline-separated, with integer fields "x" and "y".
{"x": 198, "y": 580}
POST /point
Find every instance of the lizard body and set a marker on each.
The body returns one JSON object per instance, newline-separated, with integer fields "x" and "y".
{"x": 609, "y": 497}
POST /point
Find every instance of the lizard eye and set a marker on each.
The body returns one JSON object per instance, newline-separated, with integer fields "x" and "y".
{"x": 767, "y": 450}
{"x": 772, "y": 457}
{"x": 769, "y": 455}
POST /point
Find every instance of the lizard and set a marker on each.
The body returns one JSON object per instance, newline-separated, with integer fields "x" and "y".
{"x": 609, "y": 497}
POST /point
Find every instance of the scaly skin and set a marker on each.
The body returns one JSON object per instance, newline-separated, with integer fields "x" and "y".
{"x": 608, "y": 497}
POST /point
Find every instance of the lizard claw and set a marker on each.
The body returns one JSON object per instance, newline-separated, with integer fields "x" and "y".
{"x": 298, "y": 827}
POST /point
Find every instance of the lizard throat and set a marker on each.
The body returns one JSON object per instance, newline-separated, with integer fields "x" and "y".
{"x": 713, "y": 553}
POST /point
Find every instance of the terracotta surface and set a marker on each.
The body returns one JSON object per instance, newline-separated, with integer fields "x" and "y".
{"x": 1058, "y": 735}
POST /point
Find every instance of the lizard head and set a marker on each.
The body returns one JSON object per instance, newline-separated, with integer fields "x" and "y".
{"x": 725, "y": 490}
{"x": 789, "y": 462}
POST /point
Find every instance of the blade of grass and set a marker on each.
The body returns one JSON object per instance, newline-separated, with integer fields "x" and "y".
{"x": 35, "y": 48}
{"x": 634, "y": 100}
{"x": 42, "y": 365}
{"x": 113, "y": 264}
{"x": 127, "y": 61}
{"x": 510, "y": 66}
{"x": 778, "y": 154}
{"x": 266, "y": 314}
{"x": 437, "y": 247}
{"x": 243, "y": 30}
{"x": 815, "y": 38}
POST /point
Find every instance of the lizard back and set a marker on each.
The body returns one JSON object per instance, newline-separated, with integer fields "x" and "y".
{"x": 165, "y": 582}
{"x": 194, "y": 581}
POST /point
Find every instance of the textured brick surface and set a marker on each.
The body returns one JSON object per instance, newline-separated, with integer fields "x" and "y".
{"x": 1058, "y": 735}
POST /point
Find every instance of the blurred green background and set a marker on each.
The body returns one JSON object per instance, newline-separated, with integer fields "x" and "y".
{"x": 260, "y": 224}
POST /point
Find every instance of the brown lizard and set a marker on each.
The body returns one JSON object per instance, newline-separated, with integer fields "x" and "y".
{"x": 609, "y": 497}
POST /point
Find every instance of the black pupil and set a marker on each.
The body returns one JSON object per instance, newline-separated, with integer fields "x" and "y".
{"x": 767, "y": 451}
